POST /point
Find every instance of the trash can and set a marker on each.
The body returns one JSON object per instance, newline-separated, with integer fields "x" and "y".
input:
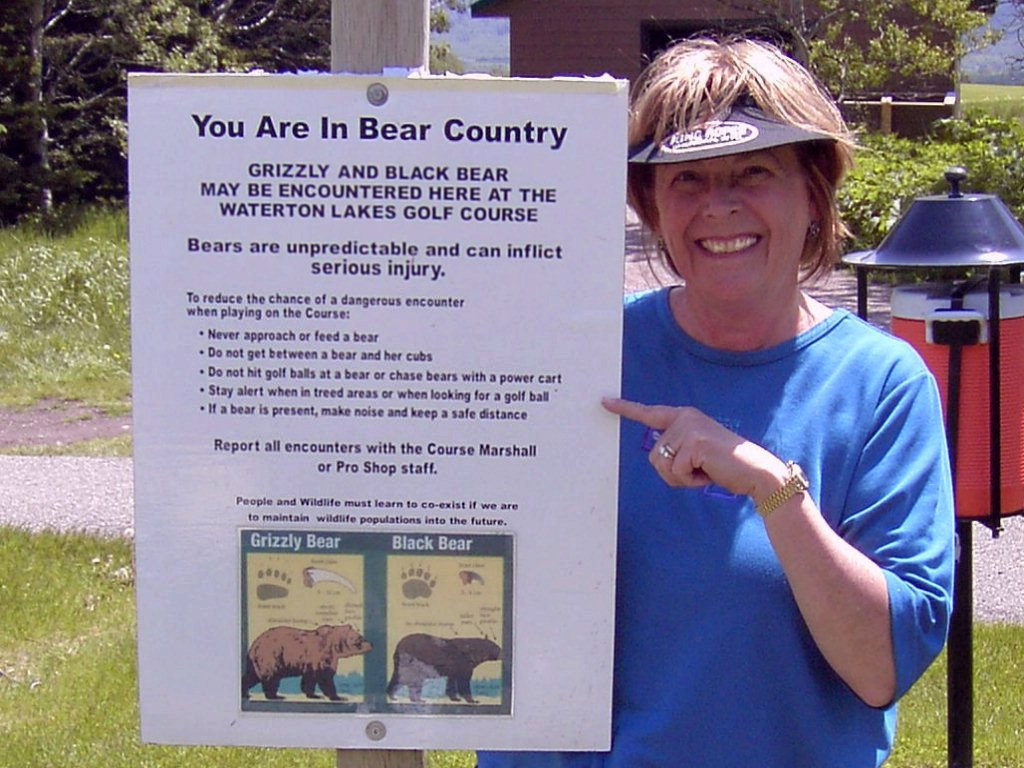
{"x": 923, "y": 314}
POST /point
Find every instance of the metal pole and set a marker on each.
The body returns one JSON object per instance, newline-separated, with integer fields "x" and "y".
{"x": 960, "y": 656}
{"x": 366, "y": 37}
{"x": 995, "y": 405}
{"x": 862, "y": 292}
{"x": 960, "y": 652}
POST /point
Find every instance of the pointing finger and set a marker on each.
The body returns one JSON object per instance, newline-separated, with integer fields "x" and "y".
{"x": 656, "y": 416}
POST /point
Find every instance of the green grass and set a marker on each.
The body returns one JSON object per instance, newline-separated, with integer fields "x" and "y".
{"x": 68, "y": 675}
{"x": 998, "y": 704}
{"x": 997, "y": 100}
{"x": 120, "y": 447}
{"x": 68, "y": 671}
{"x": 64, "y": 308}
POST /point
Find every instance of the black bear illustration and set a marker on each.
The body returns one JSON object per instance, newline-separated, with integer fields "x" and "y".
{"x": 421, "y": 657}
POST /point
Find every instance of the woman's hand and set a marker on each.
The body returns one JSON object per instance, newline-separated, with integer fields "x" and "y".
{"x": 841, "y": 594}
{"x": 695, "y": 450}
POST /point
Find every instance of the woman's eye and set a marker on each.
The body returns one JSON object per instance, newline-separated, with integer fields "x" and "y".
{"x": 755, "y": 172}
{"x": 686, "y": 177}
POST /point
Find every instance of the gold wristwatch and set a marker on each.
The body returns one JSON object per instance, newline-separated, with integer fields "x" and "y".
{"x": 796, "y": 483}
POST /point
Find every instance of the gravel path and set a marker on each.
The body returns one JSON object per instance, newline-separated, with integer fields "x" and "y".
{"x": 999, "y": 573}
{"x": 65, "y": 493}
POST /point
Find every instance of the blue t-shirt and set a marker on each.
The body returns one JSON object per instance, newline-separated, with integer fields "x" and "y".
{"x": 714, "y": 666}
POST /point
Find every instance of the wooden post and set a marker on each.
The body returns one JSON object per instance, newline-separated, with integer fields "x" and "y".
{"x": 366, "y": 36}
{"x": 381, "y": 758}
{"x": 885, "y": 117}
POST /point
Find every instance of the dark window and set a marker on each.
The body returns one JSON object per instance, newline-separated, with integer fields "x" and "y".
{"x": 657, "y": 35}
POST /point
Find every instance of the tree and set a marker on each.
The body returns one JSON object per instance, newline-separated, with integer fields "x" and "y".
{"x": 65, "y": 101}
{"x": 863, "y": 47}
{"x": 1014, "y": 13}
{"x": 25, "y": 161}
{"x": 273, "y": 35}
{"x": 63, "y": 95}
{"x": 442, "y": 57}
{"x": 440, "y": 14}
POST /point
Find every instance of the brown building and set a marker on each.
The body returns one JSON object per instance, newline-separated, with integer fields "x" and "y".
{"x": 592, "y": 37}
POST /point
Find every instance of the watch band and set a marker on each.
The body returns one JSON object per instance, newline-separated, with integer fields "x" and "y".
{"x": 796, "y": 483}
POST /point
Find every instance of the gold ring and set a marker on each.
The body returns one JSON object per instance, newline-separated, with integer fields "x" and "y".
{"x": 667, "y": 451}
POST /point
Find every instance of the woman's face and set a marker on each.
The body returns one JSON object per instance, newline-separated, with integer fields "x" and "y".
{"x": 735, "y": 226}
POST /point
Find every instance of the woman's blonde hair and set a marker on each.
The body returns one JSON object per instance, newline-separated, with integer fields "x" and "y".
{"x": 700, "y": 79}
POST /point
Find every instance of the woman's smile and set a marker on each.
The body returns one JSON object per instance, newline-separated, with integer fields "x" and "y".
{"x": 723, "y": 245}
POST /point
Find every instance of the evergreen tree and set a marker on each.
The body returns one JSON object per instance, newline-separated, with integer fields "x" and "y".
{"x": 63, "y": 92}
{"x": 24, "y": 166}
{"x": 64, "y": 99}
{"x": 273, "y": 35}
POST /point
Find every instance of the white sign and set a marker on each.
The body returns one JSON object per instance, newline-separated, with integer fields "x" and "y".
{"x": 373, "y": 319}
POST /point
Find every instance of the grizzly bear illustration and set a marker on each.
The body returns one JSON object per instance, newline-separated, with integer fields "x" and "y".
{"x": 310, "y": 653}
{"x": 420, "y": 657}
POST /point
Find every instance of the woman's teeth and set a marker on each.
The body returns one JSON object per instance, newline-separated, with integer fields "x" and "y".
{"x": 730, "y": 245}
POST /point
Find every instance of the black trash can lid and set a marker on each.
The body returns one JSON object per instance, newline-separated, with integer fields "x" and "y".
{"x": 955, "y": 230}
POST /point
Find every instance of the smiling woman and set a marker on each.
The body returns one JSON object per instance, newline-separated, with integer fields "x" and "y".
{"x": 746, "y": 519}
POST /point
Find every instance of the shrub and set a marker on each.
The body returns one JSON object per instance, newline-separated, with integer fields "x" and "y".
{"x": 892, "y": 171}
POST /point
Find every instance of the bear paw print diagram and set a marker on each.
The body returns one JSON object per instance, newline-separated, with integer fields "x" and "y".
{"x": 273, "y": 584}
{"x": 417, "y": 582}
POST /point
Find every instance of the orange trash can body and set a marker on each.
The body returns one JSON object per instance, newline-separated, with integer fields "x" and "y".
{"x": 915, "y": 311}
